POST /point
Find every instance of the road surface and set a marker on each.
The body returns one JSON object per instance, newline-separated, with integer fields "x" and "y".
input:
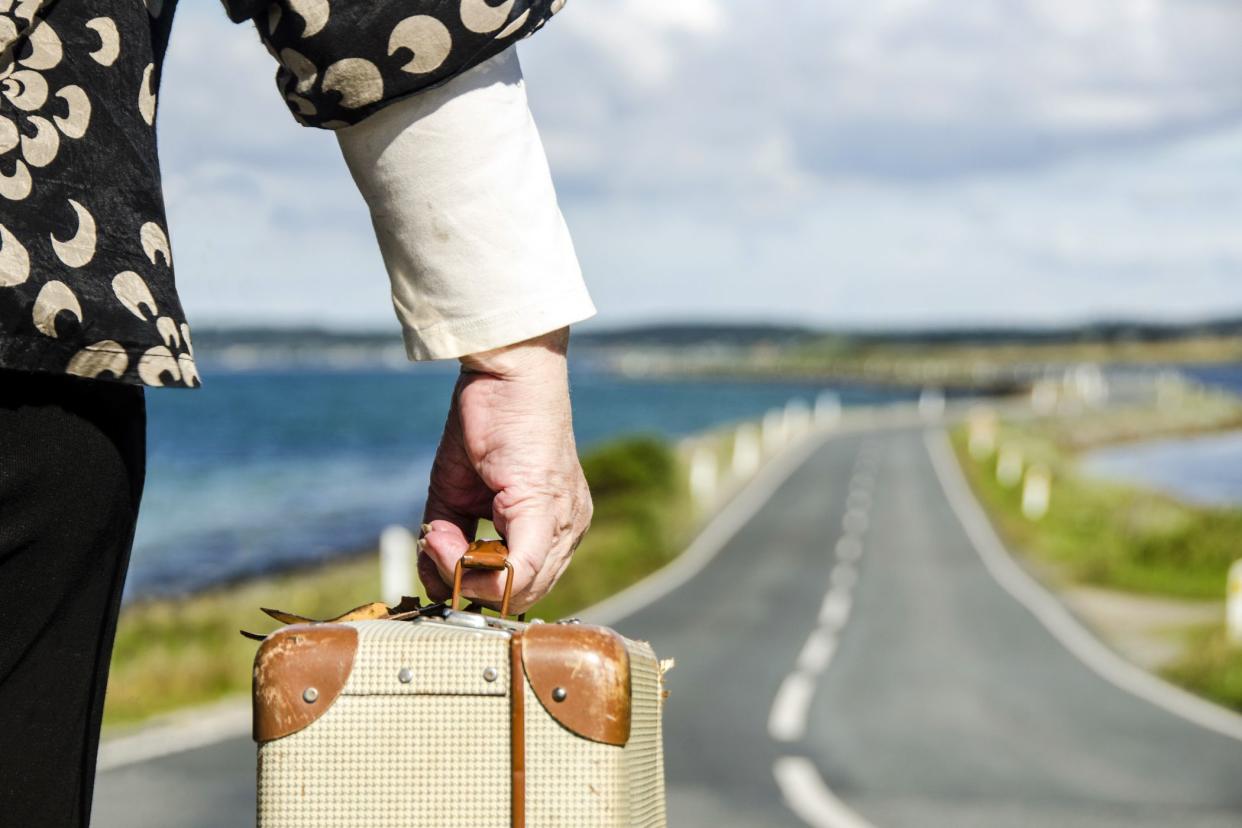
{"x": 847, "y": 660}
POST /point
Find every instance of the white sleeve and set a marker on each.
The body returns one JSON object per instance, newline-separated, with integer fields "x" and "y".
{"x": 466, "y": 215}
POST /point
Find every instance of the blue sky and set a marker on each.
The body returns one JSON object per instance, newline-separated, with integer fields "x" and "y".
{"x": 896, "y": 162}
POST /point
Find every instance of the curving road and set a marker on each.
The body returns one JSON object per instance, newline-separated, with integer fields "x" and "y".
{"x": 847, "y": 660}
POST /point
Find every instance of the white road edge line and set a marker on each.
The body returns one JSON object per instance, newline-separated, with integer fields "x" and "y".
{"x": 719, "y": 531}
{"x": 188, "y": 730}
{"x": 1054, "y": 616}
{"x": 809, "y": 798}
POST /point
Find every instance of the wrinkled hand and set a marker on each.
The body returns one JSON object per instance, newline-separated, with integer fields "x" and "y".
{"x": 507, "y": 454}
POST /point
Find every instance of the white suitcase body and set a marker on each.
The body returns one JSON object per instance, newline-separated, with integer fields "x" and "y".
{"x": 457, "y": 722}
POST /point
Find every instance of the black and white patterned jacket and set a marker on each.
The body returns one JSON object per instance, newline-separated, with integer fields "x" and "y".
{"x": 86, "y": 278}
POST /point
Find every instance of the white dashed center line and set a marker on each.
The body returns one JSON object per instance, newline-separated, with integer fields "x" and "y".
{"x": 835, "y": 610}
{"x": 800, "y": 782}
{"x": 787, "y": 721}
{"x": 849, "y": 549}
{"x": 817, "y": 651}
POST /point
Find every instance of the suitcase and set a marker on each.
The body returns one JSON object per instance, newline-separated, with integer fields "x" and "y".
{"x": 439, "y": 718}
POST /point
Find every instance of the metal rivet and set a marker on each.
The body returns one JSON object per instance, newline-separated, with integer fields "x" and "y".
{"x": 559, "y": 694}
{"x": 405, "y": 675}
{"x": 310, "y": 695}
{"x": 490, "y": 674}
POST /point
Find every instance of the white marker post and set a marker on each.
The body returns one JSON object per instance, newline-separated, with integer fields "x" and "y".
{"x": 1036, "y": 492}
{"x": 827, "y": 409}
{"x": 1090, "y": 385}
{"x": 982, "y": 433}
{"x": 397, "y": 553}
{"x": 1009, "y": 466}
{"x": 773, "y": 430}
{"x": 1044, "y": 395}
{"x": 703, "y": 469}
{"x": 797, "y": 418}
{"x": 746, "y": 452}
{"x": 1233, "y": 604}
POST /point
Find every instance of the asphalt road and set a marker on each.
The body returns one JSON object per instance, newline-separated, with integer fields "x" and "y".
{"x": 847, "y": 660}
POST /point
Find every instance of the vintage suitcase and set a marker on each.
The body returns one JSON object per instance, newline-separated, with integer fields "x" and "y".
{"x": 435, "y": 718}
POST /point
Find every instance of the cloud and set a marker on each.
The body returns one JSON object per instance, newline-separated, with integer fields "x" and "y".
{"x": 265, "y": 222}
{"x": 1148, "y": 233}
{"x": 897, "y": 161}
{"x": 892, "y": 87}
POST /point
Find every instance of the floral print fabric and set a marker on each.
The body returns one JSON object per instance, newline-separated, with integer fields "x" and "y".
{"x": 340, "y": 60}
{"x": 86, "y": 274}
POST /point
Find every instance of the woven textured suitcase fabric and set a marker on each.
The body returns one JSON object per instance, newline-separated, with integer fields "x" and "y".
{"x": 417, "y": 729}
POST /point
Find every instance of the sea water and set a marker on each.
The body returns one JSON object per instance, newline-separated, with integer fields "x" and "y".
{"x": 1205, "y": 470}
{"x": 258, "y": 471}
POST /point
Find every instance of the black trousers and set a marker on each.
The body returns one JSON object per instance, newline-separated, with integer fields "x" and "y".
{"x": 72, "y": 463}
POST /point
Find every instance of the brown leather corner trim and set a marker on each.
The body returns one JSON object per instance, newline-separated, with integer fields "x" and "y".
{"x": 581, "y": 676}
{"x": 298, "y": 673}
{"x": 517, "y": 734}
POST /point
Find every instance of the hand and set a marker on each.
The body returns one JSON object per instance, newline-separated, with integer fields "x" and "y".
{"x": 507, "y": 454}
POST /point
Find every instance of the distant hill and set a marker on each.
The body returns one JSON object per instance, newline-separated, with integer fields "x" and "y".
{"x": 305, "y": 343}
{"x": 214, "y": 339}
{"x": 747, "y": 335}
{"x": 696, "y": 334}
{"x": 1103, "y": 331}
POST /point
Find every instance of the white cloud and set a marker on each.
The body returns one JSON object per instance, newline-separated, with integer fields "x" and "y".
{"x": 890, "y": 87}
{"x": 265, "y": 223}
{"x": 1149, "y": 233}
{"x": 818, "y": 160}
{"x": 701, "y": 17}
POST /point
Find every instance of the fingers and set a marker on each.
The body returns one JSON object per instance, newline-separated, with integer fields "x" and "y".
{"x": 535, "y": 555}
{"x": 542, "y": 534}
{"x": 442, "y": 543}
{"x": 455, "y": 494}
{"x": 441, "y": 546}
{"x": 531, "y": 538}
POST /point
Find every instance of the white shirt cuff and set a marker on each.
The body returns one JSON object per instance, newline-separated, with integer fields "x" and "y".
{"x": 462, "y": 201}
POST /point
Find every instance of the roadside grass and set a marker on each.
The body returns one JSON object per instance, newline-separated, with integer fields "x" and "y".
{"x": 175, "y": 653}
{"x": 1121, "y": 536}
{"x": 1211, "y": 667}
{"x": 1108, "y": 534}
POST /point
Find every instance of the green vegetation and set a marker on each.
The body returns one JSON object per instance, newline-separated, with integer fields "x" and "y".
{"x": 1112, "y": 535}
{"x": 1120, "y": 536}
{"x": 174, "y": 653}
{"x": 984, "y": 364}
{"x": 1211, "y": 667}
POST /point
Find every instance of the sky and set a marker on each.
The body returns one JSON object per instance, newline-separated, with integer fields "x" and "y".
{"x": 884, "y": 164}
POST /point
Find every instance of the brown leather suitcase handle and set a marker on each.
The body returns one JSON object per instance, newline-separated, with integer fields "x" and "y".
{"x": 487, "y": 555}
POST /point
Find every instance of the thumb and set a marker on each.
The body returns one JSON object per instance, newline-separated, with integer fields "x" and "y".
{"x": 439, "y": 549}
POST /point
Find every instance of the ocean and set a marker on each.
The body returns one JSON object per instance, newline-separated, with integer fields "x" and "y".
{"x": 1205, "y": 470}
{"x": 263, "y": 470}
